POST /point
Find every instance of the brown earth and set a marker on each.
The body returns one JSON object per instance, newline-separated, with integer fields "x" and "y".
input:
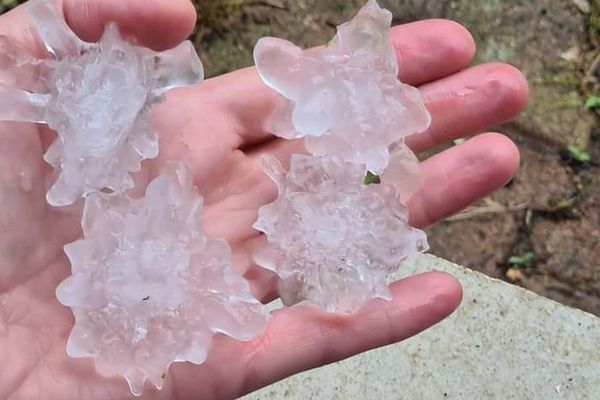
{"x": 550, "y": 210}
{"x": 548, "y": 217}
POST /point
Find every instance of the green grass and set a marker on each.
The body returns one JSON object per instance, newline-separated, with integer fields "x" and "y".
{"x": 593, "y": 102}
{"x": 6, "y": 5}
{"x": 372, "y": 179}
{"x": 524, "y": 260}
{"x": 578, "y": 154}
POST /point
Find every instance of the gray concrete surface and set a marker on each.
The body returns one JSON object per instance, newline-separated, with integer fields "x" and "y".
{"x": 503, "y": 343}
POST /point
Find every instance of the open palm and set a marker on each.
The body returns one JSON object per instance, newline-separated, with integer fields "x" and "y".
{"x": 218, "y": 128}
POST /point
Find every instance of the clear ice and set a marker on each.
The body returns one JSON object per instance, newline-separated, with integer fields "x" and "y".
{"x": 96, "y": 96}
{"x": 345, "y": 98}
{"x": 149, "y": 288}
{"x": 333, "y": 240}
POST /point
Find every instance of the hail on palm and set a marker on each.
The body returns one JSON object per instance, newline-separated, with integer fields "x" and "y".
{"x": 333, "y": 240}
{"x": 96, "y": 97}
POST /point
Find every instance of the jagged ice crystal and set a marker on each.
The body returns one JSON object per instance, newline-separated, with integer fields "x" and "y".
{"x": 97, "y": 96}
{"x": 148, "y": 287}
{"x": 345, "y": 99}
{"x": 333, "y": 240}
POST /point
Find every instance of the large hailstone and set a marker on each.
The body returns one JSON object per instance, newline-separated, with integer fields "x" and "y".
{"x": 149, "y": 288}
{"x": 333, "y": 240}
{"x": 345, "y": 99}
{"x": 97, "y": 97}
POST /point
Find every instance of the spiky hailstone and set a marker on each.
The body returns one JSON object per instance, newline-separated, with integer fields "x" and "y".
{"x": 148, "y": 287}
{"x": 333, "y": 240}
{"x": 345, "y": 99}
{"x": 97, "y": 96}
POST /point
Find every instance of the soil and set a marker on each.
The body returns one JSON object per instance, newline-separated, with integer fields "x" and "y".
{"x": 551, "y": 210}
{"x": 543, "y": 230}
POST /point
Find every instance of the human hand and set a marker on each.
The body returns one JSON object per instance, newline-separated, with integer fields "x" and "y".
{"x": 219, "y": 129}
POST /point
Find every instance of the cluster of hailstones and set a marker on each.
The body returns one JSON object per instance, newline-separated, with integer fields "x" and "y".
{"x": 332, "y": 239}
{"x": 148, "y": 287}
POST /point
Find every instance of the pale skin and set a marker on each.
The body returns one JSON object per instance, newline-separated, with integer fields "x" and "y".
{"x": 218, "y": 127}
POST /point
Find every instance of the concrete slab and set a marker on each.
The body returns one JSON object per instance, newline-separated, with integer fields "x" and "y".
{"x": 503, "y": 343}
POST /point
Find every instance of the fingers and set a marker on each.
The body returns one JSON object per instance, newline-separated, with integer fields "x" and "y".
{"x": 458, "y": 177}
{"x": 304, "y": 337}
{"x": 159, "y": 24}
{"x": 431, "y": 49}
{"x": 470, "y": 101}
{"x": 426, "y": 50}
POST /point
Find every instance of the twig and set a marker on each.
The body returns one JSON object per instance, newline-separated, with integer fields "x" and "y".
{"x": 268, "y": 3}
{"x": 592, "y": 69}
{"x": 491, "y": 207}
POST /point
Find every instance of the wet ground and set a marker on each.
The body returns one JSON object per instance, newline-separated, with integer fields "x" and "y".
{"x": 543, "y": 230}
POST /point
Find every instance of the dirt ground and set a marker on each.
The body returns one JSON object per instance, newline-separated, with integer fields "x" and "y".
{"x": 543, "y": 230}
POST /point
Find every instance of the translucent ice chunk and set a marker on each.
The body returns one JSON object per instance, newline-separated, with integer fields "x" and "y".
{"x": 97, "y": 96}
{"x": 173, "y": 68}
{"x": 345, "y": 99}
{"x": 332, "y": 239}
{"x": 404, "y": 172}
{"x": 148, "y": 287}
{"x": 54, "y": 32}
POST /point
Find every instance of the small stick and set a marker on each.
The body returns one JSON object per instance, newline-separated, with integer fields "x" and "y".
{"x": 594, "y": 66}
{"x": 490, "y": 207}
{"x": 268, "y": 3}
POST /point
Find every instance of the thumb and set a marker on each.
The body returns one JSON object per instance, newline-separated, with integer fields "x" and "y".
{"x": 158, "y": 24}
